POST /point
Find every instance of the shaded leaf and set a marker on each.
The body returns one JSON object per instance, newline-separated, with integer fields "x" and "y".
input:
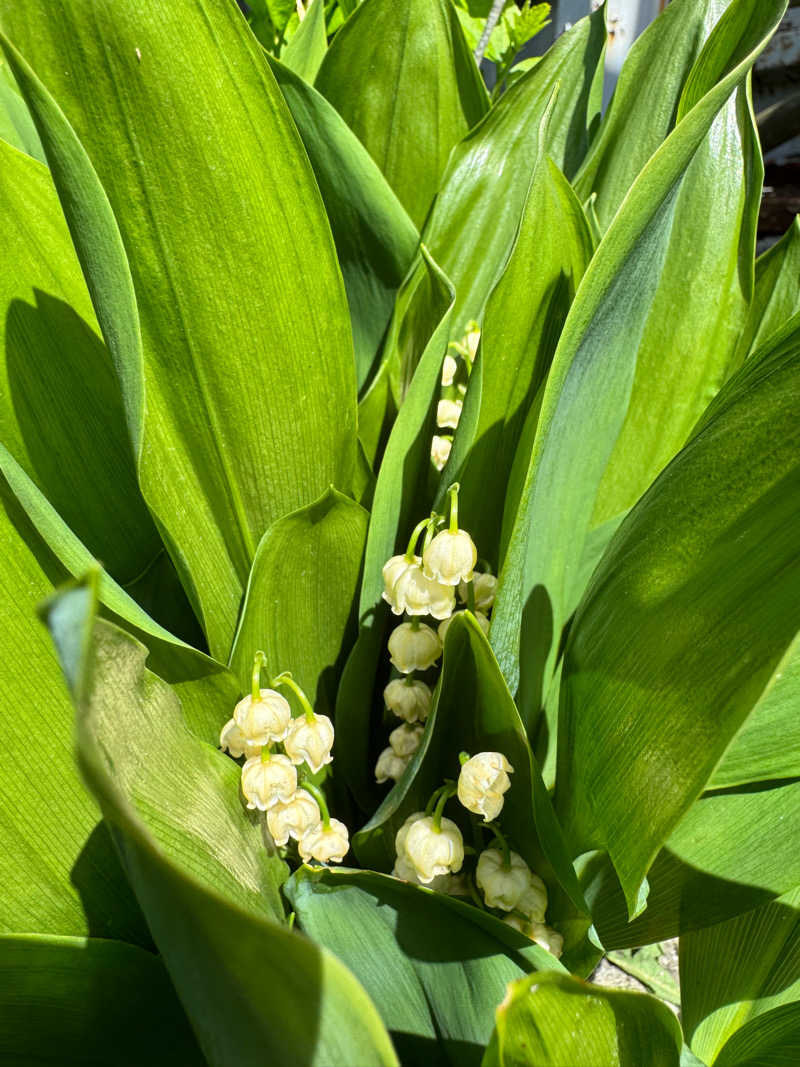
{"x": 400, "y": 73}
{"x": 307, "y": 48}
{"x": 72, "y": 1000}
{"x": 777, "y": 292}
{"x": 771, "y": 1040}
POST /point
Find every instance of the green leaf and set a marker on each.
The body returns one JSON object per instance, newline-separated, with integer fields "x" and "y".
{"x": 234, "y": 387}
{"x": 590, "y": 385}
{"x": 375, "y": 238}
{"x": 53, "y": 365}
{"x": 739, "y": 970}
{"x": 402, "y": 496}
{"x": 57, "y": 864}
{"x": 524, "y": 317}
{"x": 203, "y": 684}
{"x": 400, "y": 74}
{"x": 300, "y": 599}
{"x": 16, "y": 125}
{"x": 771, "y": 1040}
{"x": 449, "y": 962}
{"x": 704, "y": 563}
{"x": 307, "y": 48}
{"x": 777, "y": 292}
{"x": 644, "y": 108}
{"x": 69, "y": 1000}
{"x": 554, "y": 1019}
{"x": 482, "y": 194}
{"x": 473, "y": 712}
{"x": 201, "y": 868}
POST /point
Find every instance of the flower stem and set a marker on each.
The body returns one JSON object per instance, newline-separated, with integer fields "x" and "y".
{"x": 412, "y": 544}
{"x": 500, "y": 838}
{"x": 453, "y": 491}
{"x": 319, "y": 796}
{"x": 286, "y": 679}
{"x": 259, "y": 661}
{"x": 445, "y": 794}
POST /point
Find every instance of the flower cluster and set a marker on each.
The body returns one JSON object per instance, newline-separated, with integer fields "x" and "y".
{"x": 455, "y": 375}
{"x": 295, "y": 807}
{"x": 426, "y": 585}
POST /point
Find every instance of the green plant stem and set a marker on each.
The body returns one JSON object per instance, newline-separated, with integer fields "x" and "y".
{"x": 259, "y": 660}
{"x": 286, "y": 679}
{"x": 319, "y": 796}
{"x": 453, "y": 492}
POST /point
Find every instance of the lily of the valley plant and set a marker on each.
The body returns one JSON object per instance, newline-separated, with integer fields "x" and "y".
{"x": 409, "y": 482}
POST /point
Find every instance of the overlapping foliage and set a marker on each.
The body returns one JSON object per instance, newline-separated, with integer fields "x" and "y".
{"x": 235, "y": 252}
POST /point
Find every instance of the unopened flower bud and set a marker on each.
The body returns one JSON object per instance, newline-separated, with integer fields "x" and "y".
{"x": 264, "y": 720}
{"x": 433, "y": 851}
{"x": 484, "y": 587}
{"x": 448, "y": 412}
{"x": 482, "y": 782}
{"x": 293, "y": 818}
{"x": 450, "y": 558}
{"x": 310, "y": 741}
{"x": 502, "y": 886}
{"x": 390, "y": 765}
{"x": 480, "y": 618}
{"x": 533, "y": 901}
{"x": 232, "y": 739}
{"x": 409, "y": 699}
{"x": 405, "y": 739}
{"x": 449, "y": 370}
{"x": 413, "y": 593}
{"x": 414, "y": 648}
{"x": 326, "y": 844}
{"x": 548, "y": 938}
{"x": 440, "y": 451}
{"x": 268, "y": 782}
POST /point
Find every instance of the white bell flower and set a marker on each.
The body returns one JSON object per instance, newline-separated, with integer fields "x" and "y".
{"x": 482, "y": 782}
{"x": 393, "y": 570}
{"x": 327, "y": 844}
{"x": 405, "y": 739}
{"x": 310, "y": 740}
{"x": 441, "y": 448}
{"x": 450, "y": 558}
{"x": 433, "y": 851}
{"x": 448, "y": 412}
{"x": 502, "y": 886}
{"x": 268, "y": 781}
{"x": 293, "y": 818}
{"x": 264, "y": 720}
{"x": 402, "y": 833}
{"x": 390, "y": 765}
{"x": 547, "y": 937}
{"x": 484, "y": 587}
{"x": 414, "y": 648}
{"x": 449, "y": 370}
{"x": 472, "y": 340}
{"x": 408, "y": 699}
{"x": 533, "y": 901}
{"x": 411, "y": 592}
{"x": 480, "y": 618}
{"x": 451, "y": 884}
{"x": 233, "y": 740}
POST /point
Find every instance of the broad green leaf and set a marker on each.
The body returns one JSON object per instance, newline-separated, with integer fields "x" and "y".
{"x": 203, "y": 684}
{"x": 71, "y": 1000}
{"x": 16, "y": 125}
{"x": 777, "y": 292}
{"x": 375, "y": 238}
{"x": 590, "y": 386}
{"x": 523, "y": 320}
{"x": 201, "y": 867}
{"x": 699, "y": 309}
{"x": 58, "y": 868}
{"x": 204, "y": 292}
{"x": 447, "y": 963}
{"x": 61, "y": 413}
{"x": 706, "y": 562}
{"x": 482, "y": 194}
{"x": 555, "y": 1020}
{"x": 473, "y": 712}
{"x": 771, "y": 1040}
{"x": 736, "y": 971}
{"x": 401, "y": 75}
{"x": 644, "y": 108}
{"x": 402, "y": 497}
{"x": 708, "y": 870}
{"x": 300, "y": 602}
{"x": 307, "y": 48}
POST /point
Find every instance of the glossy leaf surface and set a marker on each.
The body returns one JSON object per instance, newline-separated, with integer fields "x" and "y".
{"x": 776, "y": 297}
{"x": 306, "y": 50}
